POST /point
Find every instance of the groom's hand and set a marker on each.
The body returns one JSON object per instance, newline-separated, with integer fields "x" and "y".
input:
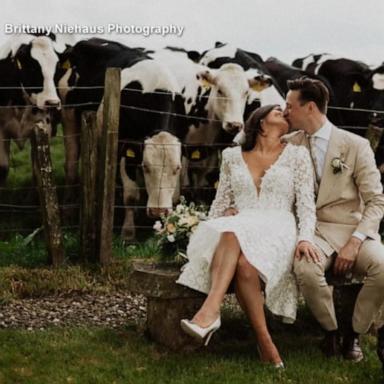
{"x": 347, "y": 256}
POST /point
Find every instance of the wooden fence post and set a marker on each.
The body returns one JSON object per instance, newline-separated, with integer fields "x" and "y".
{"x": 107, "y": 164}
{"x": 88, "y": 210}
{"x": 47, "y": 193}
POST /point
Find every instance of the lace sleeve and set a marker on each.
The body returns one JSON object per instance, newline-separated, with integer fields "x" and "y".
{"x": 305, "y": 197}
{"x": 224, "y": 195}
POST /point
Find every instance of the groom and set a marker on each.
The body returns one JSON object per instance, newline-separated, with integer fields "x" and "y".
{"x": 350, "y": 206}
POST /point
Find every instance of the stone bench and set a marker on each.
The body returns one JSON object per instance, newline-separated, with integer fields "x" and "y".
{"x": 168, "y": 302}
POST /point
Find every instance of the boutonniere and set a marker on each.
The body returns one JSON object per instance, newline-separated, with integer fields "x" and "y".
{"x": 338, "y": 165}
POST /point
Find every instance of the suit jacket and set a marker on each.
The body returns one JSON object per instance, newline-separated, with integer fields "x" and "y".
{"x": 350, "y": 200}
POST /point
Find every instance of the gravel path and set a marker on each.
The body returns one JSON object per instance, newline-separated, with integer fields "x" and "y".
{"x": 112, "y": 310}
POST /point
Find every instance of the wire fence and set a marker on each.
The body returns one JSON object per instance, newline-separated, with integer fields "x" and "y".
{"x": 15, "y": 194}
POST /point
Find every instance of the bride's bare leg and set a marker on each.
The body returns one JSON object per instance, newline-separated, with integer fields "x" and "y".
{"x": 223, "y": 268}
{"x": 249, "y": 293}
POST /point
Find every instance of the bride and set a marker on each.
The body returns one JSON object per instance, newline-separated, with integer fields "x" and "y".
{"x": 251, "y": 221}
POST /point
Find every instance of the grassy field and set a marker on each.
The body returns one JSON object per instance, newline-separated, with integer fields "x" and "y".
{"x": 127, "y": 356}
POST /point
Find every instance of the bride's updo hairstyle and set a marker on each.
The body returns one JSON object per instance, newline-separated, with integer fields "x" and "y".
{"x": 252, "y": 128}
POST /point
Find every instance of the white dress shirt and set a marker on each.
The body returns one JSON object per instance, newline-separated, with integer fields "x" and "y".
{"x": 320, "y": 140}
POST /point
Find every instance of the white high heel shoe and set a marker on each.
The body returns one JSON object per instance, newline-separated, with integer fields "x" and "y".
{"x": 198, "y": 332}
{"x": 279, "y": 365}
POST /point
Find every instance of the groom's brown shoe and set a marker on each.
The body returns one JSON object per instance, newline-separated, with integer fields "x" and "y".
{"x": 380, "y": 345}
{"x": 331, "y": 344}
{"x": 351, "y": 347}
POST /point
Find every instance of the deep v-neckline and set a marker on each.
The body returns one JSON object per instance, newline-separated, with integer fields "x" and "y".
{"x": 258, "y": 191}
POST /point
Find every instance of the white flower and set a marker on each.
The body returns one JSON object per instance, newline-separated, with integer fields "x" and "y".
{"x": 338, "y": 165}
{"x": 179, "y": 208}
{"x": 158, "y": 226}
{"x": 192, "y": 220}
{"x": 171, "y": 238}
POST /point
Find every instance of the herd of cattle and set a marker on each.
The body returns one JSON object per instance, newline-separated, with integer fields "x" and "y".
{"x": 178, "y": 109}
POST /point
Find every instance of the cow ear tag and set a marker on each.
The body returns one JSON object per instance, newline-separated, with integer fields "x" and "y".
{"x": 216, "y": 184}
{"x": 356, "y": 87}
{"x": 258, "y": 86}
{"x": 130, "y": 153}
{"x": 195, "y": 155}
{"x": 66, "y": 64}
{"x": 18, "y": 64}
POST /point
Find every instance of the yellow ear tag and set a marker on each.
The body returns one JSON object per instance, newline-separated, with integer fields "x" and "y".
{"x": 216, "y": 184}
{"x": 195, "y": 155}
{"x": 356, "y": 87}
{"x": 130, "y": 153}
{"x": 259, "y": 86}
{"x": 18, "y": 64}
{"x": 66, "y": 64}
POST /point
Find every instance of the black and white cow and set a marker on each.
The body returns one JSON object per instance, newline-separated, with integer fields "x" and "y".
{"x": 149, "y": 131}
{"x": 265, "y": 91}
{"x": 27, "y": 89}
{"x": 355, "y": 86}
{"x": 283, "y": 72}
{"x": 203, "y": 170}
{"x": 215, "y": 100}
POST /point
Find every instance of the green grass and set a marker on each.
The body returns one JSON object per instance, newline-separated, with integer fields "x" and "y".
{"x": 127, "y": 356}
{"x": 20, "y": 172}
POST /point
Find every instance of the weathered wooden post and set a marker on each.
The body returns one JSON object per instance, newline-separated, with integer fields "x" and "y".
{"x": 47, "y": 193}
{"x": 107, "y": 164}
{"x": 88, "y": 210}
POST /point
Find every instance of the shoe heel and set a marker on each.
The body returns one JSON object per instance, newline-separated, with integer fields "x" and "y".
{"x": 209, "y": 337}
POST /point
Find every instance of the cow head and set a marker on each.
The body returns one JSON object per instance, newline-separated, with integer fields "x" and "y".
{"x": 36, "y": 66}
{"x": 230, "y": 89}
{"x": 161, "y": 166}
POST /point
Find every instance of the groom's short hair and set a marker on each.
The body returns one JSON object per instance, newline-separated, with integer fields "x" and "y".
{"x": 311, "y": 90}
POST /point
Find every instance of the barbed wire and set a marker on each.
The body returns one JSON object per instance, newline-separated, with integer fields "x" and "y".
{"x": 160, "y": 92}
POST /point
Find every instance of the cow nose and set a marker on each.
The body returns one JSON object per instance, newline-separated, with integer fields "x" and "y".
{"x": 233, "y": 126}
{"x": 52, "y": 103}
{"x": 157, "y": 212}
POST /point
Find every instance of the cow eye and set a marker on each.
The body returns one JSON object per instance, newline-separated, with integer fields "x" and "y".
{"x": 220, "y": 92}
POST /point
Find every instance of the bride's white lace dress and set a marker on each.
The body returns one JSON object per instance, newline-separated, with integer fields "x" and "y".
{"x": 265, "y": 226}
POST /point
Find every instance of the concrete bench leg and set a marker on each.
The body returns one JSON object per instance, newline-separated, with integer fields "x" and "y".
{"x": 163, "y": 321}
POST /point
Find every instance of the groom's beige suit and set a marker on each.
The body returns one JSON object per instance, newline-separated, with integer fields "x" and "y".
{"x": 349, "y": 201}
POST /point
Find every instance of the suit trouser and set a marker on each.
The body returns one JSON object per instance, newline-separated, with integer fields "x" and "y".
{"x": 318, "y": 294}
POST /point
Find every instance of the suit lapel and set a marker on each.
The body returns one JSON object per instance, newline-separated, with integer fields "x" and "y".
{"x": 329, "y": 179}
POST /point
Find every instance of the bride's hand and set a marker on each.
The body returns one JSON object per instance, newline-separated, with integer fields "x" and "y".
{"x": 231, "y": 212}
{"x": 307, "y": 250}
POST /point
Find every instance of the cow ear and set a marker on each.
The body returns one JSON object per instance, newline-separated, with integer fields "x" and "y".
{"x": 207, "y": 78}
{"x": 259, "y": 83}
{"x": 133, "y": 153}
{"x": 195, "y": 153}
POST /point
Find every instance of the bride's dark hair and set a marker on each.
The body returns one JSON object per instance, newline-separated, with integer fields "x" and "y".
{"x": 252, "y": 128}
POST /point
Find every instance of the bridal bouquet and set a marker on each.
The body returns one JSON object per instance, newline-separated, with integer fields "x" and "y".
{"x": 174, "y": 230}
